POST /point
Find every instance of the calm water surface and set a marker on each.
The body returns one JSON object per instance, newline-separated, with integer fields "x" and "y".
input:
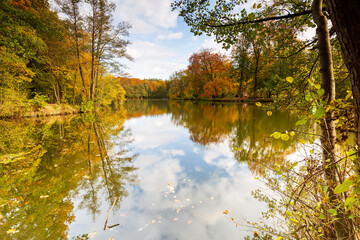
{"x": 169, "y": 169}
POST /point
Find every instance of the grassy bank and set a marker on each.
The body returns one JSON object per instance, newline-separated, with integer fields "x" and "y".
{"x": 45, "y": 110}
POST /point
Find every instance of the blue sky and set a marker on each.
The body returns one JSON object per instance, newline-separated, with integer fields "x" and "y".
{"x": 161, "y": 42}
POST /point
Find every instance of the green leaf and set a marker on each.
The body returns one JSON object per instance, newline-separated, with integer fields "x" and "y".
{"x": 319, "y": 112}
{"x": 251, "y": 16}
{"x": 333, "y": 211}
{"x": 276, "y": 135}
{"x": 320, "y": 92}
{"x": 345, "y": 186}
{"x": 349, "y": 202}
{"x": 308, "y": 97}
{"x": 289, "y": 79}
{"x": 322, "y": 216}
{"x": 301, "y": 122}
{"x": 317, "y": 86}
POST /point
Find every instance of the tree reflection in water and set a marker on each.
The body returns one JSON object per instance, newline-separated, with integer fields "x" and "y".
{"x": 46, "y": 166}
{"x": 248, "y": 128}
{"x": 43, "y": 165}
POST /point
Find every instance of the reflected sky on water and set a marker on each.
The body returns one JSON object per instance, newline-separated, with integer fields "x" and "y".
{"x": 172, "y": 169}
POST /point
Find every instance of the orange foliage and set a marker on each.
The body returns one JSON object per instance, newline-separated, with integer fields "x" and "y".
{"x": 209, "y": 75}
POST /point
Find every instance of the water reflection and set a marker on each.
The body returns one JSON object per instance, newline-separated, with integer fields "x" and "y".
{"x": 172, "y": 166}
{"x": 46, "y": 165}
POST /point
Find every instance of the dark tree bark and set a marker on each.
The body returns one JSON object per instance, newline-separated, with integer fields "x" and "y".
{"x": 345, "y": 17}
{"x": 342, "y": 225}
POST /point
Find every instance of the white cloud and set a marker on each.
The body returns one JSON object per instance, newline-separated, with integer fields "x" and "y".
{"x": 146, "y": 15}
{"x": 210, "y": 43}
{"x": 146, "y": 50}
{"x": 173, "y": 152}
{"x": 152, "y": 60}
{"x": 170, "y": 36}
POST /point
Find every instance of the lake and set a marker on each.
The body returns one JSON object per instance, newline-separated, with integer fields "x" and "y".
{"x": 154, "y": 169}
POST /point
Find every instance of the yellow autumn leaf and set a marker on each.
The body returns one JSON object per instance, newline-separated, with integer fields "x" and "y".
{"x": 226, "y": 212}
{"x": 269, "y": 113}
{"x": 289, "y": 79}
{"x": 258, "y": 104}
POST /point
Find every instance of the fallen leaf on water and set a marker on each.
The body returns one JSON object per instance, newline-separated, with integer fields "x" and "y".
{"x": 169, "y": 183}
{"x": 10, "y": 231}
{"x": 153, "y": 221}
{"x": 189, "y": 221}
{"x": 269, "y": 113}
{"x": 175, "y": 219}
{"x": 212, "y": 198}
{"x": 160, "y": 217}
{"x": 111, "y": 238}
{"x": 188, "y": 199}
{"x": 177, "y": 200}
{"x": 140, "y": 229}
{"x": 92, "y": 235}
{"x": 178, "y": 210}
{"x": 226, "y": 212}
{"x": 123, "y": 215}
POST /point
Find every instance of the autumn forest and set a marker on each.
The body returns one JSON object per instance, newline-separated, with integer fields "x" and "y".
{"x": 274, "y": 93}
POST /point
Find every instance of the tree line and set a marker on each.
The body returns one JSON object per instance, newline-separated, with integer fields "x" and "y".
{"x": 59, "y": 60}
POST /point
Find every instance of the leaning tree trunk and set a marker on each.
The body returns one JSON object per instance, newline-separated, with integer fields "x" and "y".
{"x": 345, "y": 17}
{"x": 328, "y": 132}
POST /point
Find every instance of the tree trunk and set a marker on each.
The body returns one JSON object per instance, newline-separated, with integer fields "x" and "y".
{"x": 328, "y": 133}
{"x": 93, "y": 62}
{"x": 76, "y": 32}
{"x": 345, "y": 17}
{"x": 257, "y": 56}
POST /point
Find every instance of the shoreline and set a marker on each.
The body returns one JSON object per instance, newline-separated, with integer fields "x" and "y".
{"x": 46, "y": 111}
